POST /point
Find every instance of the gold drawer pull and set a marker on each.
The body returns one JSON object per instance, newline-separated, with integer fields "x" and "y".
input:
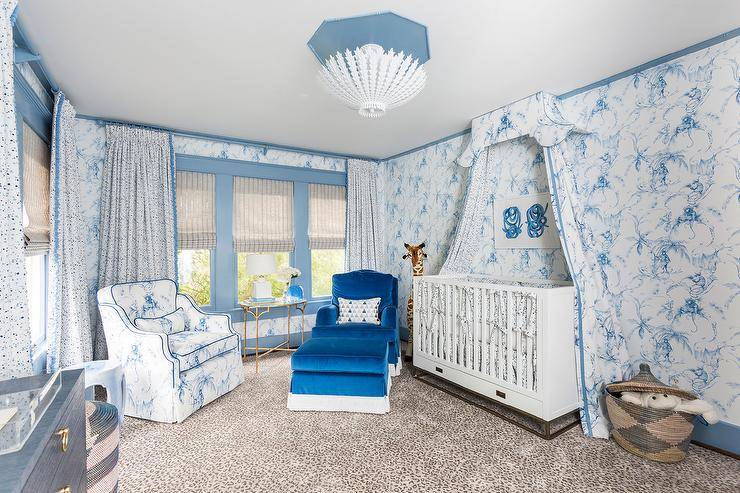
{"x": 63, "y": 433}
{"x": 66, "y": 489}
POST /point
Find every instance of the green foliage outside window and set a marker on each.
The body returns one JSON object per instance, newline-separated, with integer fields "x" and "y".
{"x": 194, "y": 275}
{"x": 324, "y": 264}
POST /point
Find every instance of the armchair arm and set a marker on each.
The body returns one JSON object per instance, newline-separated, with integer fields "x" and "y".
{"x": 388, "y": 317}
{"x": 143, "y": 355}
{"x": 327, "y": 315}
{"x": 200, "y": 321}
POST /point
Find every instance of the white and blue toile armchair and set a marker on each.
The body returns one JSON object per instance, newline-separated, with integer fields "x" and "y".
{"x": 168, "y": 376}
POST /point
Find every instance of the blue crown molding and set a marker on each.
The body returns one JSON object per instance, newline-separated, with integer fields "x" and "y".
{"x": 31, "y": 109}
{"x": 429, "y": 144}
{"x": 25, "y": 50}
{"x": 267, "y": 171}
{"x": 230, "y": 140}
{"x": 386, "y": 28}
{"x": 608, "y": 80}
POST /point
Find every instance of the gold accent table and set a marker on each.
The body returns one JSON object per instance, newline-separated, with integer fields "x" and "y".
{"x": 257, "y": 309}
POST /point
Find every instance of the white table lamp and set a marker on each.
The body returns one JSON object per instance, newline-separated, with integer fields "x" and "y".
{"x": 260, "y": 265}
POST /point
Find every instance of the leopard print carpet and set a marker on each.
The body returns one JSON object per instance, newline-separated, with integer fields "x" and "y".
{"x": 430, "y": 442}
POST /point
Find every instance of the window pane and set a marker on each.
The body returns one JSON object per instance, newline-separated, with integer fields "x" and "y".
{"x": 282, "y": 259}
{"x": 324, "y": 264}
{"x": 36, "y": 292}
{"x": 194, "y": 274}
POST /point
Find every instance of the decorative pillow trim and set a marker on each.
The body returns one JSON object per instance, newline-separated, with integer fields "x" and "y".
{"x": 364, "y": 311}
{"x": 166, "y": 324}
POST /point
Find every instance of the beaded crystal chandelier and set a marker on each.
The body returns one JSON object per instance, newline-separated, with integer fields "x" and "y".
{"x": 372, "y": 80}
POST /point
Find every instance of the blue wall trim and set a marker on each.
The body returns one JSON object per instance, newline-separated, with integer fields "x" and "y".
{"x": 21, "y": 41}
{"x": 653, "y": 63}
{"x": 235, "y": 167}
{"x": 33, "y": 111}
{"x": 231, "y": 140}
{"x": 722, "y": 435}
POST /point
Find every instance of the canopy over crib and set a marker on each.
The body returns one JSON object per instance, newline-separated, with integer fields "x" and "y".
{"x": 539, "y": 116}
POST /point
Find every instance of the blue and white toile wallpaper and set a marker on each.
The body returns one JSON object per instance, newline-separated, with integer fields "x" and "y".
{"x": 654, "y": 196}
{"x": 423, "y": 194}
{"x": 91, "y": 153}
{"x": 520, "y": 170}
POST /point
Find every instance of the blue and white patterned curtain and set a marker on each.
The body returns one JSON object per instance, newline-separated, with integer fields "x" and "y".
{"x": 69, "y": 333}
{"x": 138, "y": 211}
{"x": 364, "y": 243}
{"x": 15, "y": 332}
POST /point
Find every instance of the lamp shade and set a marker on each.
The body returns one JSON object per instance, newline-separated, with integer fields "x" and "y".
{"x": 259, "y": 264}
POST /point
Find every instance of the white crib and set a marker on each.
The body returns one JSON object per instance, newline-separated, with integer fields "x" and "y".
{"x": 511, "y": 341}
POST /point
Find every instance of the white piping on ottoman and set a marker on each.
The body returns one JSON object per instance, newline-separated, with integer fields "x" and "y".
{"x": 395, "y": 370}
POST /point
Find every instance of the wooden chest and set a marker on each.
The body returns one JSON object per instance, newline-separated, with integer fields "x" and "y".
{"x": 53, "y": 459}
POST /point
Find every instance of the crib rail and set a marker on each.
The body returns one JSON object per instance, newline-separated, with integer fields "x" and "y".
{"x": 488, "y": 329}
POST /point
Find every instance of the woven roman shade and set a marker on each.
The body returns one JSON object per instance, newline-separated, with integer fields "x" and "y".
{"x": 327, "y": 209}
{"x": 196, "y": 211}
{"x": 263, "y": 215}
{"x": 36, "y": 218}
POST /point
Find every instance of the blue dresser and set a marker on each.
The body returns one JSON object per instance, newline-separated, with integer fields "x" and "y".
{"x": 53, "y": 458}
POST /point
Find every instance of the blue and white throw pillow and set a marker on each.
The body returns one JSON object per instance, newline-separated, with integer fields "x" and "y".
{"x": 167, "y": 324}
{"x": 359, "y": 311}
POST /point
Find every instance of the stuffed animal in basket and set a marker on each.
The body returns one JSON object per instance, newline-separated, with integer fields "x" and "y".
{"x": 672, "y": 402}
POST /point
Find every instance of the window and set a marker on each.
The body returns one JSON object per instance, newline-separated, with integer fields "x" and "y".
{"x": 256, "y": 208}
{"x": 326, "y": 231}
{"x": 36, "y": 292}
{"x": 324, "y": 264}
{"x": 263, "y": 215}
{"x": 244, "y": 282}
{"x": 194, "y": 275}
{"x": 263, "y": 222}
{"x": 36, "y": 220}
{"x": 196, "y": 233}
{"x": 36, "y": 162}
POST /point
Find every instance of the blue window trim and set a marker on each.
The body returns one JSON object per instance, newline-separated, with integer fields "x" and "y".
{"x": 224, "y": 268}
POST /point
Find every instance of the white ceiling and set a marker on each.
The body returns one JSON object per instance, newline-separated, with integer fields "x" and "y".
{"x": 242, "y": 68}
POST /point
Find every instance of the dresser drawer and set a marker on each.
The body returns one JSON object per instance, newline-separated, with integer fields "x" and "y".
{"x": 57, "y": 468}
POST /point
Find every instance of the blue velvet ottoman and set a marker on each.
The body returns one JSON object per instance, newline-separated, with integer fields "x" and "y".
{"x": 340, "y": 374}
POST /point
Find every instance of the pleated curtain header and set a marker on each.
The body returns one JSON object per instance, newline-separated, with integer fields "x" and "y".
{"x": 36, "y": 217}
{"x": 263, "y": 215}
{"x": 327, "y": 206}
{"x": 196, "y": 211}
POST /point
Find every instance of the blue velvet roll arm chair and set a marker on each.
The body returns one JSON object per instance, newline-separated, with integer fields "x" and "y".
{"x": 176, "y": 358}
{"x": 360, "y": 285}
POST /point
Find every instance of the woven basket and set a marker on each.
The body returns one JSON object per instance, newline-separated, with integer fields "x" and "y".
{"x": 656, "y": 434}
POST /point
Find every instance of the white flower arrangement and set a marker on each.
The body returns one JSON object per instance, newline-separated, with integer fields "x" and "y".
{"x": 287, "y": 273}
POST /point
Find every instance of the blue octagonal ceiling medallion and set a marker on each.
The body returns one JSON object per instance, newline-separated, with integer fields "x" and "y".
{"x": 386, "y": 29}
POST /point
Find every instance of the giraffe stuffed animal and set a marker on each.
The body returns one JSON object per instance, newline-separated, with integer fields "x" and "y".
{"x": 417, "y": 256}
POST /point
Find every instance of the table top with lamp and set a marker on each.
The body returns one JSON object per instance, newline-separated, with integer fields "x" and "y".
{"x": 262, "y": 301}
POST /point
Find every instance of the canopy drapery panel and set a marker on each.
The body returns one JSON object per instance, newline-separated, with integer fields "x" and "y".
{"x": 327, "y": 208}
{"x": 196, "y": 211}
{"x": 263, "y": 215}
